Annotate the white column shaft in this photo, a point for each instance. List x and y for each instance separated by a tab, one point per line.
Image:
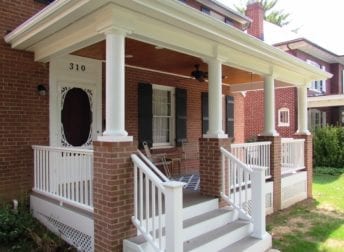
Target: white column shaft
269	107
215	99
302	111
115	84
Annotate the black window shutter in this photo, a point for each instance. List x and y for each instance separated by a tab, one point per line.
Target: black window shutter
205	113
181	106
145	111
230	116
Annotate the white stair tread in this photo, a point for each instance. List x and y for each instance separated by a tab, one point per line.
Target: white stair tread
206	216
214	234
241	245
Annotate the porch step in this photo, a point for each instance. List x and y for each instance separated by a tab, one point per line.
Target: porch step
200	208
200	224
219	238
208	228
250	244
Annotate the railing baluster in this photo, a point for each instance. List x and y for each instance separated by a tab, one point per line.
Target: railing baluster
147	202
141	196
153	211
160	212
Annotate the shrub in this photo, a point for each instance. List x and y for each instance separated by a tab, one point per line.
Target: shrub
329	146
19	231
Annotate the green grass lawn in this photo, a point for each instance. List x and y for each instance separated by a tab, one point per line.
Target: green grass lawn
313	225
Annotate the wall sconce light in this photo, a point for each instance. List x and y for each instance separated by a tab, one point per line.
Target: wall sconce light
41	90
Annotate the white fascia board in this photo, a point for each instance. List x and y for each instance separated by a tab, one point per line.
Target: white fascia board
325	101
182	20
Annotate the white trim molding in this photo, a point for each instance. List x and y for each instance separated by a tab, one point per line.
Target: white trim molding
69	25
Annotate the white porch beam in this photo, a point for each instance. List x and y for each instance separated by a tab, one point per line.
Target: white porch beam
115	87
302	114
269	106
215	99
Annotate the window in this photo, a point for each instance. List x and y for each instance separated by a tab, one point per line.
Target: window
205	10
316	118
343	81
163	115
283	117
318	85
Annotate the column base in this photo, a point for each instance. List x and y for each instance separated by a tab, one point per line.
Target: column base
303	133
215	135
115	138
273	133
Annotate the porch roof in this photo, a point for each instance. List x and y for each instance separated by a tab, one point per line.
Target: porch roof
65	26
326	101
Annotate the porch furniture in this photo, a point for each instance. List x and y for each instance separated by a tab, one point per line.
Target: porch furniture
159	159
190	151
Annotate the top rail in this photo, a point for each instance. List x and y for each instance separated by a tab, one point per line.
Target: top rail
63	149
234	158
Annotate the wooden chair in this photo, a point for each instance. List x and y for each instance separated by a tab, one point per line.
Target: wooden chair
190	151
159	159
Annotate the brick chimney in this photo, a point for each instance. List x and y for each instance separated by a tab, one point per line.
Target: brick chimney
255	11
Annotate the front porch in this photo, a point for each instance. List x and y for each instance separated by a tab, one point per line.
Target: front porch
63	187
128	63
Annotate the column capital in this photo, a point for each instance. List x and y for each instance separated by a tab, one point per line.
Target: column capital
211	60
112	29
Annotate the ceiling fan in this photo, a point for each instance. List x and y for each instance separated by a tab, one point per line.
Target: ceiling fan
198	74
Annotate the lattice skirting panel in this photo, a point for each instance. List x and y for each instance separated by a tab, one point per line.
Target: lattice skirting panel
73	227
294	188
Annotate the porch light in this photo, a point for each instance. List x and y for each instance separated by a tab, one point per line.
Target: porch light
41	89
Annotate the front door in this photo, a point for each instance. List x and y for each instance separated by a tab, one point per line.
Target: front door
75	101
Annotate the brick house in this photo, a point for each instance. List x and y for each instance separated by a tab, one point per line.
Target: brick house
325	101
84	83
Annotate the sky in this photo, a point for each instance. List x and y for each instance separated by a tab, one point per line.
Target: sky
320	21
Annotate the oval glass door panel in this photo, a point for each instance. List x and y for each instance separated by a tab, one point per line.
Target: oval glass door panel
76	117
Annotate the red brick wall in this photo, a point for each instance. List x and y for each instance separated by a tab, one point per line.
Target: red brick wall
337	79
254	111
239	118
255	11
23	113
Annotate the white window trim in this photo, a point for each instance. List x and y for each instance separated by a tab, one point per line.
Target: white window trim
321	84
312	114
343	81
172	121
283	124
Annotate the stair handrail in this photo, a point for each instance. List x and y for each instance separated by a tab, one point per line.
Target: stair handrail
153	167
243	180
158	208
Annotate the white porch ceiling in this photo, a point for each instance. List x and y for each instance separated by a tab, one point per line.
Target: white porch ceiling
67	25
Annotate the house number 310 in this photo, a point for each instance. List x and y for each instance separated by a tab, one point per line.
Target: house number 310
77	67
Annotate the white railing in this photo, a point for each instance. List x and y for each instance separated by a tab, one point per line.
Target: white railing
257	154
158	207
65	174
292	155
239	180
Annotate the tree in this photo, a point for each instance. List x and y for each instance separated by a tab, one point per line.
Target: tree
278	17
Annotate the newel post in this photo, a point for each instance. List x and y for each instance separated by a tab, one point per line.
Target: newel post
258	202
174	216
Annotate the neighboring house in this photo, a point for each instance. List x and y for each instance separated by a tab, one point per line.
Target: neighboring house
84	83
325	97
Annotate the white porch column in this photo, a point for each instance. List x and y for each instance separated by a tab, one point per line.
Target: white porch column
115	87
302	114
269	106
215	99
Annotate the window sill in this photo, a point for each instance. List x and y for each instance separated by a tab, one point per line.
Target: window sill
283	125
163	147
